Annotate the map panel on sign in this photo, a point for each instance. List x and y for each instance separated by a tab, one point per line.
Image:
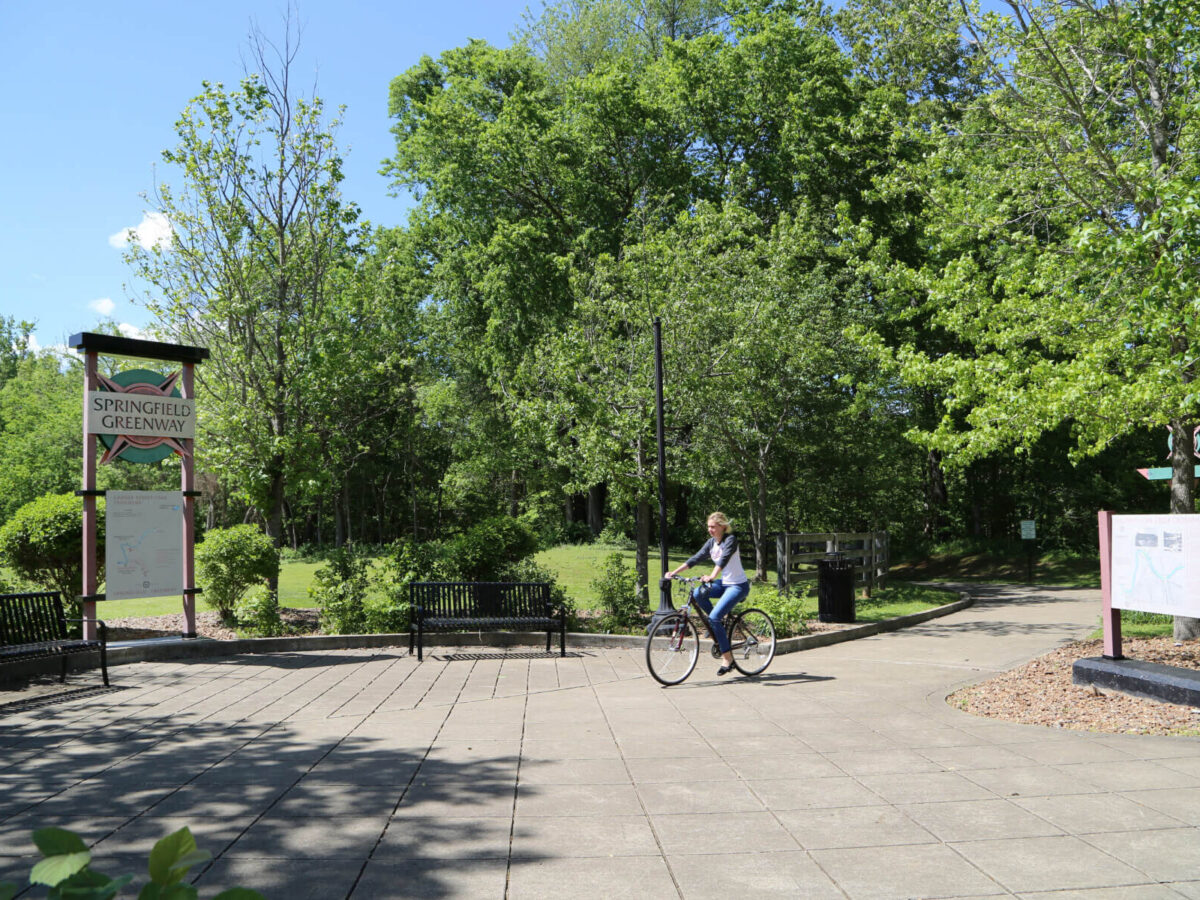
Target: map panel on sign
1153	564
143	549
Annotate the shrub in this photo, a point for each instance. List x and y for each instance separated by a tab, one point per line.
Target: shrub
232	560
340	589
388	611
66	870
43	543
385	613
482	551
617	589
787	612
613	534
258	612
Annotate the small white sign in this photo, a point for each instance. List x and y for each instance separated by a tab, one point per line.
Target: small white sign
143	544
1028	530
143	415
1154	566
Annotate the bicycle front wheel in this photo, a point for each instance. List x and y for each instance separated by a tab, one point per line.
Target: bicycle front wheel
752	639
672	649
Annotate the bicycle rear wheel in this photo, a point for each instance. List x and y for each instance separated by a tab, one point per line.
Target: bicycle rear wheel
752	638
672	649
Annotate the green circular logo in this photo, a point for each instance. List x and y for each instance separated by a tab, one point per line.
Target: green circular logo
138	448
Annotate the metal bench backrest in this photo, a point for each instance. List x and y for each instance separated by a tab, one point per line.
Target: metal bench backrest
481	598
31	618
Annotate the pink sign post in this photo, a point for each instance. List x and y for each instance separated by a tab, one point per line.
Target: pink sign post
1110	618
90	564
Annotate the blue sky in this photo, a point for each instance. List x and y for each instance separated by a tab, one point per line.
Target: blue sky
94	91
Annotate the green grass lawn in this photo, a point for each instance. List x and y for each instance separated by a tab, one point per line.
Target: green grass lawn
898	599
577	565
1136	624
294	579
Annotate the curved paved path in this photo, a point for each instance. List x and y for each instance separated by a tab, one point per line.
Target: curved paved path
840	773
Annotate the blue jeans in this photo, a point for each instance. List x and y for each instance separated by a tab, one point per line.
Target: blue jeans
728	596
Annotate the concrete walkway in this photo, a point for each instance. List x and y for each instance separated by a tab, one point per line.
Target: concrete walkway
488	773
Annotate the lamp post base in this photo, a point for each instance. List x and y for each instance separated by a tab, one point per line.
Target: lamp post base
665	607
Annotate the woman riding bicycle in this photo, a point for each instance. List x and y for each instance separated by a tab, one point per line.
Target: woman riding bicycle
727	581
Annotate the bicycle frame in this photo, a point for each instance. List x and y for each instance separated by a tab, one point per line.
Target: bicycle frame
691	610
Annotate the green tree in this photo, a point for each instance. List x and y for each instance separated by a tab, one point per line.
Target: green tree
1063	226
258	232
41	431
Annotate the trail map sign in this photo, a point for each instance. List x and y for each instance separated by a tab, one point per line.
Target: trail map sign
1155	566
143	544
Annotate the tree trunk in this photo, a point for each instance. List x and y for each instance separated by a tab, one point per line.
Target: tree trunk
683	511
643	550
1183	467
339	522
274	518
596	497
935	493
758	526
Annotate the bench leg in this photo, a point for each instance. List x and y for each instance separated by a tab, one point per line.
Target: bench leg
420	644
549	634
104	663
562	638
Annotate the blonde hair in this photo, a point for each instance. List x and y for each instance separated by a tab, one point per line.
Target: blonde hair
721	519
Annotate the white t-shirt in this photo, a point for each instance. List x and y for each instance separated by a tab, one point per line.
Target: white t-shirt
723	553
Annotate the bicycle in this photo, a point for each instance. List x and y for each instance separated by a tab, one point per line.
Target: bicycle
674	643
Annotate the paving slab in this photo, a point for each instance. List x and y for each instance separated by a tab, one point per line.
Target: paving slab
505	772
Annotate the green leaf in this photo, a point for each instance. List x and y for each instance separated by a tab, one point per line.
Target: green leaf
179	892
8	890
58	842
53	869
91	886
170	854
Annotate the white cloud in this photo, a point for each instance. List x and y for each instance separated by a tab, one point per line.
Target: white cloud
104	306
153	231
131	331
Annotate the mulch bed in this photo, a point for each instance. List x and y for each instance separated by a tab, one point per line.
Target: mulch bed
208	625
1041	693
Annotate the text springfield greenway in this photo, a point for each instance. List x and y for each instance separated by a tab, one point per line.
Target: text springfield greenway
112	413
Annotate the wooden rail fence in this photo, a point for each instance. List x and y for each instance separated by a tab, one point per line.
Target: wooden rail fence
797	556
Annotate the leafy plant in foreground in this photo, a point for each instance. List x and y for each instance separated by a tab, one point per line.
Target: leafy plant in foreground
65	870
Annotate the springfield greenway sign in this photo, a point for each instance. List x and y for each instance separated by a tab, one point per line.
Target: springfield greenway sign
140	416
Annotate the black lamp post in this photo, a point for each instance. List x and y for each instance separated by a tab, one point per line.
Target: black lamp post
665	607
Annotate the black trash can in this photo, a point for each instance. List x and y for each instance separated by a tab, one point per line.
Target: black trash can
835	589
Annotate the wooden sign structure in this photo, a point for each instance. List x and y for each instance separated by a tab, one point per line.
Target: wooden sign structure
148	422
1147	563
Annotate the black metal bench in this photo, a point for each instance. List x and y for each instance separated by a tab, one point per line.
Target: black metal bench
484	606
34	626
